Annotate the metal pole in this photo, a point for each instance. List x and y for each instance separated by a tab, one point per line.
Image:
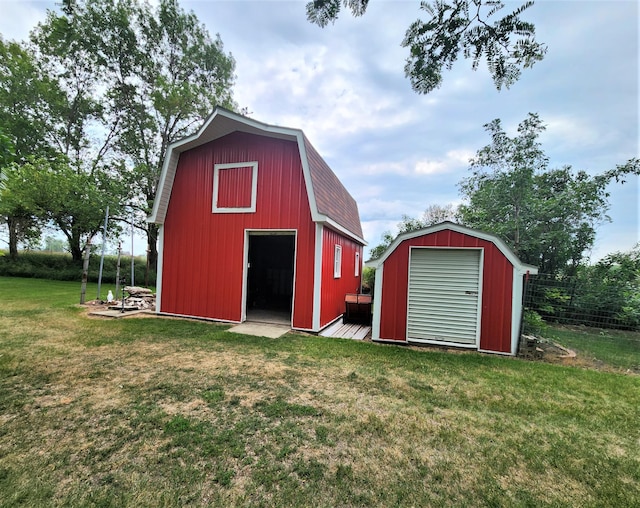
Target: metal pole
118	268
104	243
132	259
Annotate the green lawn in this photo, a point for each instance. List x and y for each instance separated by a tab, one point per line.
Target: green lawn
159	412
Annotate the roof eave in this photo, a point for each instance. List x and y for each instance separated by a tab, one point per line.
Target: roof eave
503	247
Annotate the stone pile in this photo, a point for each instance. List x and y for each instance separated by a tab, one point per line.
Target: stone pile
530	348
138	299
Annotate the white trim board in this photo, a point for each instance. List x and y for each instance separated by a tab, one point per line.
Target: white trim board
245	264
216	187
502	247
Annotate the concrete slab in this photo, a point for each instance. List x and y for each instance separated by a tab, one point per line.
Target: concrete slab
117	313
260	330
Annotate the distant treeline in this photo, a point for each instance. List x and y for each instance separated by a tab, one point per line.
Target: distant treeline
58	266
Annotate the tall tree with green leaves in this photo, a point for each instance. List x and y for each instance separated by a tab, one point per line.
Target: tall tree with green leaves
7	155
84	124
26	98
168	75
52	190
471	28
547	216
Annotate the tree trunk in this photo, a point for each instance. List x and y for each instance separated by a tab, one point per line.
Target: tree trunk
152	248
12	224
77	252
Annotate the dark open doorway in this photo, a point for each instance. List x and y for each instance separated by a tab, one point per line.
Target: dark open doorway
270	277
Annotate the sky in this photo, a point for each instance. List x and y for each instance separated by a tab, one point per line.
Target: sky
396	151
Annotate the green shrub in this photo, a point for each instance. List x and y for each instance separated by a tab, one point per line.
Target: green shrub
58	266
533	323
368	279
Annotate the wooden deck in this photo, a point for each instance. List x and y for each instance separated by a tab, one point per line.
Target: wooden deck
348	331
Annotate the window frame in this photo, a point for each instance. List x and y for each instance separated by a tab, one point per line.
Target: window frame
337	261
216	187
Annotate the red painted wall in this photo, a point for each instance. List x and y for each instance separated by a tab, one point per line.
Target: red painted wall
203	251
234	187
497	287
333	290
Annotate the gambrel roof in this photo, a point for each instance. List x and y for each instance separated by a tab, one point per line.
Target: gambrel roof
522	268
329	201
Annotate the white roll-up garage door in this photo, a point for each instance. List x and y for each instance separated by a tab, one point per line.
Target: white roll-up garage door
444	287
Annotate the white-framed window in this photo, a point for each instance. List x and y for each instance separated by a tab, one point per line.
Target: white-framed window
337	262
357	269
235	187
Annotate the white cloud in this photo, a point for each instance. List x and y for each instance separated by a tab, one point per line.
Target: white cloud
453	160
571	132
20	17
386	168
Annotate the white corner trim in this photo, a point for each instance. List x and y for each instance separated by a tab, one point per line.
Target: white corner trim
317	278
377	304
516	309
216	187
159	268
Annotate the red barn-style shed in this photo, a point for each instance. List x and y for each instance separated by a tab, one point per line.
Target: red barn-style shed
252	220
449	285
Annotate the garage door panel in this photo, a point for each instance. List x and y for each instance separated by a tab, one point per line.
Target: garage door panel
453	306
443	295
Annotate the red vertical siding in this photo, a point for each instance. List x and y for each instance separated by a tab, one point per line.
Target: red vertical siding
234	187
334	289
204	251
497	284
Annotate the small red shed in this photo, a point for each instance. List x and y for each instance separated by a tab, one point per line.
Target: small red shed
449	285
253	221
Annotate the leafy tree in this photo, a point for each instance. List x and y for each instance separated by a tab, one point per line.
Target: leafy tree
610	289
17	211
85	121
7	154
52	191
434	214
605	295
52	244
168	75
26	94
467	27
547	216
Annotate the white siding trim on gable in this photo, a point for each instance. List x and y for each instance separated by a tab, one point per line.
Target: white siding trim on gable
225	123
502	247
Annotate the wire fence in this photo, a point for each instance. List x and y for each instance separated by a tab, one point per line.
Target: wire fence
599	320
581	301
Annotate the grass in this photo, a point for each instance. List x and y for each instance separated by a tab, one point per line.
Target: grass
615	348
155	412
